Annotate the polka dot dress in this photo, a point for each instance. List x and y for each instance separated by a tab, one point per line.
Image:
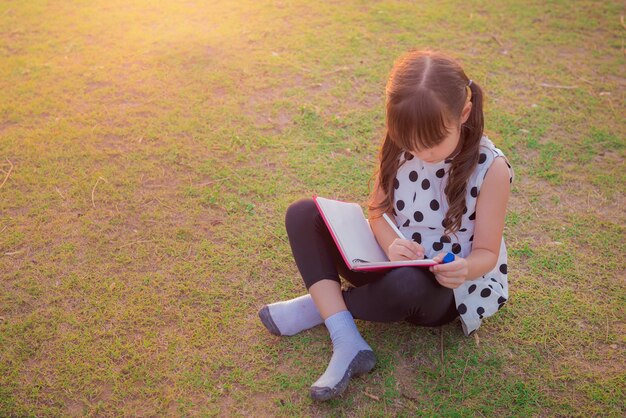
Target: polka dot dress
420	206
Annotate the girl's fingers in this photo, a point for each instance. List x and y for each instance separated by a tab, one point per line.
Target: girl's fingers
406	243
442	281
408	250
417	248
399	251
458	264
402	253
452	273
445	268
449	282
407	253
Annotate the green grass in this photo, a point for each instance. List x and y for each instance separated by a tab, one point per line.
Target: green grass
150	150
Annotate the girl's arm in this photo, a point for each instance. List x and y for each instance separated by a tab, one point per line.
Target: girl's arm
395	248
488	227
490	217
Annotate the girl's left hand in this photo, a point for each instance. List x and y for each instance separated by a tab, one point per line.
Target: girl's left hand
450	275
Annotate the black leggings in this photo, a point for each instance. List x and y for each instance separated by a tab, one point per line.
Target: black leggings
406	293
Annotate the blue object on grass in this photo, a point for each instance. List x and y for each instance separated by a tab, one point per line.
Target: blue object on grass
448	258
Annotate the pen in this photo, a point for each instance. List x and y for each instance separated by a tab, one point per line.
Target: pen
393	226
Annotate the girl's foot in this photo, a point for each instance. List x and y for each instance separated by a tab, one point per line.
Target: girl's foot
352	356
291	316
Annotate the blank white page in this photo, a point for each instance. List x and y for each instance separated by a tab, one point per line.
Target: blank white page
351	230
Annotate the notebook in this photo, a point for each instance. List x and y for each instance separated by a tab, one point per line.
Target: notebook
354	237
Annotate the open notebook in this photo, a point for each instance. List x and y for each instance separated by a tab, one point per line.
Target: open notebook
355	239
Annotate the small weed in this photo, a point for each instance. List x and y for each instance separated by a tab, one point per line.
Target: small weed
524	250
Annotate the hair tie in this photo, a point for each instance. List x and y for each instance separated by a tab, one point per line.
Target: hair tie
469	92
469	84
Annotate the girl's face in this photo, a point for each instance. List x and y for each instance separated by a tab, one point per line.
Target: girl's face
447	147
441	151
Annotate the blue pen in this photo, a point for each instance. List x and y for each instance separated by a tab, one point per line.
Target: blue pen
448	258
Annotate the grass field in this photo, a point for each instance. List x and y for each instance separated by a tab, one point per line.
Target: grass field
149	150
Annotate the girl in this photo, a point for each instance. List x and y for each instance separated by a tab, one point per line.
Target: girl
447	186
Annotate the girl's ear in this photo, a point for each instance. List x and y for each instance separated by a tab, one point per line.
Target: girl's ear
467	109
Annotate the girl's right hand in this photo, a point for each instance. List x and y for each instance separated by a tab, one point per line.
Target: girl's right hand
404	249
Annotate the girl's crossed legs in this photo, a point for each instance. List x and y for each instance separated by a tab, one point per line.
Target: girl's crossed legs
407	293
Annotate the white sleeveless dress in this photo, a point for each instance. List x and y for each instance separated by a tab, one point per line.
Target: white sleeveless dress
420	206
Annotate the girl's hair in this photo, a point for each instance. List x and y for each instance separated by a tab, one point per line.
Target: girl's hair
426	93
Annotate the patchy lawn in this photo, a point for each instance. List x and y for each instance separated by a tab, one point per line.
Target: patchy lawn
149	150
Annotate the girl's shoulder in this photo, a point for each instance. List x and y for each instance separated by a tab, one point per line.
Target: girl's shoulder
488	152
488	148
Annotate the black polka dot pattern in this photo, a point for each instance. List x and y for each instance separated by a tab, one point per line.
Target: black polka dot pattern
456	248
406	223
425	184
440	173
461	308
400	205
471	289
503	268
485	293
472	216
418	216
413	176
482	158
474	191
417	237
434	205
396	183
445	239
408	156
437	246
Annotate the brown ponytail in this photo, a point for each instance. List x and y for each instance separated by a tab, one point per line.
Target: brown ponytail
389	163
464	163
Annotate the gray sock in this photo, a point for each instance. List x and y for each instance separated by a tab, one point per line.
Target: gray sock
352	356
291	316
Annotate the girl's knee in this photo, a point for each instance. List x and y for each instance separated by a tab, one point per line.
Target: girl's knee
303	210
407	284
